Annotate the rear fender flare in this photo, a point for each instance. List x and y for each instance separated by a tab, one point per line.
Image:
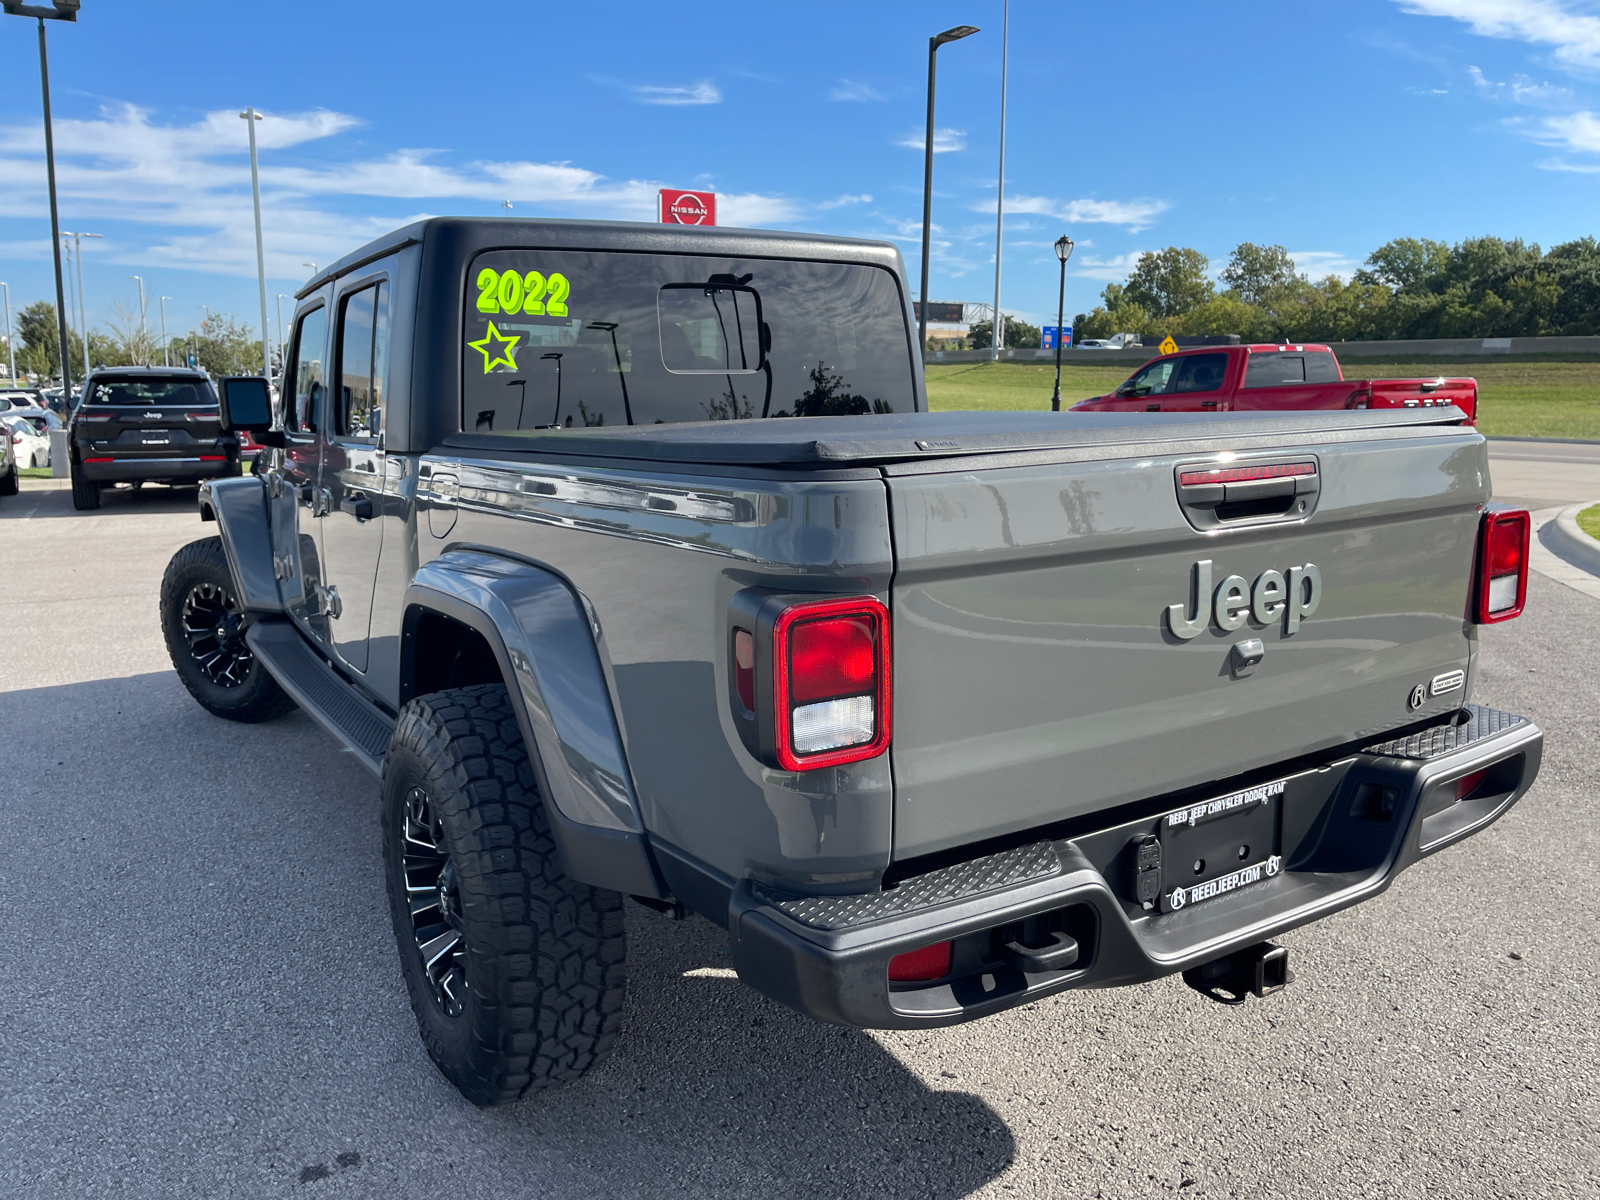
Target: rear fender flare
239	507
537	629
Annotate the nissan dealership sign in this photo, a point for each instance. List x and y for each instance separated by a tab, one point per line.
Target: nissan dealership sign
679	207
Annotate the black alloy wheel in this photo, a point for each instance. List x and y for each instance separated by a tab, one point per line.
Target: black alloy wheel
433	897
213	628
204	628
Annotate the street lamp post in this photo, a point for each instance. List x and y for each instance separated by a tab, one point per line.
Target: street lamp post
83	312
939	39
998	341
250	116
166	357
143	336
313	267
1063	252
58	10
283	345
11	342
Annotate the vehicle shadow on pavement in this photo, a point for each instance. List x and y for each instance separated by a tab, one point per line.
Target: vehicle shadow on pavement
208	1001
56	501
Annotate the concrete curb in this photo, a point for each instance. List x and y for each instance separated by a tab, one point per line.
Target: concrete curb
1552	565
1565	538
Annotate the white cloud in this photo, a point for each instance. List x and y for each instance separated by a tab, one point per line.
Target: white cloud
841	201
1561	164
1319	264
1135	214
192	183
1576	131
1112	270
699	93
1575	36
944	140
851	90
1521	90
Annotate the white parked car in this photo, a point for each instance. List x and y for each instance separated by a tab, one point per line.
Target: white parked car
28	444
1095	344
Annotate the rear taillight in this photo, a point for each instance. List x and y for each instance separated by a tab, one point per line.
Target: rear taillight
921	965
1500	583
830	677
202	416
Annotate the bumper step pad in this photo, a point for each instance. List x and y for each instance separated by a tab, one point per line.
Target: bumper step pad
1471	724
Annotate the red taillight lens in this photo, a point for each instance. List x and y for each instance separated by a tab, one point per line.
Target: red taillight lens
831	657
744	667
1245	474
831	683
921	965
1501	585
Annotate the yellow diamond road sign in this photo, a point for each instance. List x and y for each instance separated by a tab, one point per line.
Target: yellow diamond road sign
1168	346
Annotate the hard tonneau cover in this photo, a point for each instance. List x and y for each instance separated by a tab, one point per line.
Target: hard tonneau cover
835	441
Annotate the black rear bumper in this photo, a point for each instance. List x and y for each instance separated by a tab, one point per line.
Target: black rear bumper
1348	827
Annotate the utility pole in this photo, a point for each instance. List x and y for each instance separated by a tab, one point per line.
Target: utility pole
939	39
283	344
166	358
59	10
143	336
83	312
250	116
11	342
998	341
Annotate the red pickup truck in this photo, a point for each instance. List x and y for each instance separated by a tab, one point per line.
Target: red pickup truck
1270	377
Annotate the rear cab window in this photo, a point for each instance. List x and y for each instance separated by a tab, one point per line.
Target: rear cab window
1271	369
580	338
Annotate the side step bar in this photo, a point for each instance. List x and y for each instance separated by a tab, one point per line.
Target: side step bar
328	699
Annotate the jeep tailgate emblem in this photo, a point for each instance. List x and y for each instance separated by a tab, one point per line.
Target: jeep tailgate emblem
1236	599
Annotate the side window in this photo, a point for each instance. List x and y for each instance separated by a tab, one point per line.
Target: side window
1201	373
306	383
1321	367
1275	370
1153	380
363	360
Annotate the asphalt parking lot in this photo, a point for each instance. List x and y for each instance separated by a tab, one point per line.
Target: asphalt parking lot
203	997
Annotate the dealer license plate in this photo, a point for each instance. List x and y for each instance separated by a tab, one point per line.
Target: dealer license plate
1218	846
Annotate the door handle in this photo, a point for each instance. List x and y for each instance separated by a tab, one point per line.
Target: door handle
1208	404
357	505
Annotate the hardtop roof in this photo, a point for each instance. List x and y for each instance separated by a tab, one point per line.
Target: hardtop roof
469	236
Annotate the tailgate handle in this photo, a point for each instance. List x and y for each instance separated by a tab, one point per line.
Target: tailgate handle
1058	955
1218	494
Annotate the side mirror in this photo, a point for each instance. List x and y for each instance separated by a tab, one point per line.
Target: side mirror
246	405
1125	388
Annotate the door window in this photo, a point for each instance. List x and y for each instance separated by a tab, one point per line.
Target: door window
363	360
1275	370
1200	373
1152	381
307	380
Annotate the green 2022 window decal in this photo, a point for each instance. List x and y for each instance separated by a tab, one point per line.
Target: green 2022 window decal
533	293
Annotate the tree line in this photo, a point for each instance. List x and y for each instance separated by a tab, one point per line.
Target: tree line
221	344
1407	288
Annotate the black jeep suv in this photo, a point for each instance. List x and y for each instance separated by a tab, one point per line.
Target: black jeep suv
147	425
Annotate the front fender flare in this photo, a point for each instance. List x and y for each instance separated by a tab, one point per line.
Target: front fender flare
536	627
239	507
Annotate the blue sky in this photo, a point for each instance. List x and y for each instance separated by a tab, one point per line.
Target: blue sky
1328	127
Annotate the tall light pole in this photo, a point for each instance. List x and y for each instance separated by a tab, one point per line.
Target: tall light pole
250	116
11	342
283	346
166	358
83	311
937	40
1063	252
143	336
313	267
998	341
58	10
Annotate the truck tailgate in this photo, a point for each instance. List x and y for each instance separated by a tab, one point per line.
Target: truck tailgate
1036	677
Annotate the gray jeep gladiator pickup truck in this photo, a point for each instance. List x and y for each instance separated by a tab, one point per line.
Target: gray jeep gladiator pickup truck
935	714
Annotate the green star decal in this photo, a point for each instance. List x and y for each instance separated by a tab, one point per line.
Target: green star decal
496	349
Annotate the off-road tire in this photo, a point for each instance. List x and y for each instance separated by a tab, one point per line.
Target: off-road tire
85	495
256	696
544	955
9	485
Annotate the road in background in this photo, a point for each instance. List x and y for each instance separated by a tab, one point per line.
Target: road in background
1544	474
203	996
